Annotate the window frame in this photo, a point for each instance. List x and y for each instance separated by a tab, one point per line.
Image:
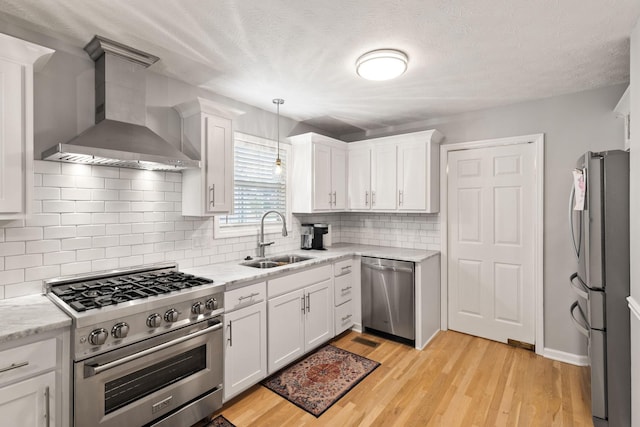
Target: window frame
221	231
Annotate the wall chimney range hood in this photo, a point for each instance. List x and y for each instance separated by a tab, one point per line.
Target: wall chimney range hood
120	137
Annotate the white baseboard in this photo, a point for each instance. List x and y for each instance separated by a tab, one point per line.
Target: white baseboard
428	340
563	356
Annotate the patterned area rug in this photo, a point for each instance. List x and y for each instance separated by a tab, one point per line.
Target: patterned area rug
321	379
220	421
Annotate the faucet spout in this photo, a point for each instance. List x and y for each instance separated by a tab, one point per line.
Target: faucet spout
261	243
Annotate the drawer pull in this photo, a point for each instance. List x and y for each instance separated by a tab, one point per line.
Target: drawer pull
347	317
343	290
346	267
13	366
253	294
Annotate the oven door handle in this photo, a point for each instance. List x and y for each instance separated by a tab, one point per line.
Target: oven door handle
91	370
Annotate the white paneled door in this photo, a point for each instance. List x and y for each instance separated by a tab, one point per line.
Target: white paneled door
491	206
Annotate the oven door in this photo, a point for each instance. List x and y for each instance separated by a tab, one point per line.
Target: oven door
143	382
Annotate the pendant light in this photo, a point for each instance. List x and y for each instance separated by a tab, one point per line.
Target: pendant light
278	169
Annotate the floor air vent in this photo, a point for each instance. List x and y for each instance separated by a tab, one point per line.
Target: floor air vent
366	342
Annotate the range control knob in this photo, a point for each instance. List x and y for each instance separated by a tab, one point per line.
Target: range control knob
154	320
171	315
197	308
120	330
212	304
98	336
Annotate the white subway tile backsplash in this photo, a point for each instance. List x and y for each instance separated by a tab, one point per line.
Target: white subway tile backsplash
131	195
24	233
73	268
99	194
105	241
153	258
117	184
118	229
22	289
105	172
90	230
73	194
142	227
46	167
90	182
76	243
104	264
61	257
58	206
90	254
142	249
46	193
8	277
131	217
112	206
44	272
131	239
61	232
22	261
75	218
131	261
75	169
93	206
12	248
105	218
41	220
43	246
59	181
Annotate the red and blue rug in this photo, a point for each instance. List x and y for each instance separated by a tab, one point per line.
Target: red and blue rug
321	379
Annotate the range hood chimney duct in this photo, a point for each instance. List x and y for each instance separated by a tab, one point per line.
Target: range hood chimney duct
120	136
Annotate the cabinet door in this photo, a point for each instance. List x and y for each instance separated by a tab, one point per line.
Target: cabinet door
285	329
383	177
29	403
319	314
339	178
360	179
412	176
12	179
246	348
322	192
218	147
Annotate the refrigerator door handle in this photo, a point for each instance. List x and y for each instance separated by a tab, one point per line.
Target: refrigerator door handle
578	243
584	330
579	287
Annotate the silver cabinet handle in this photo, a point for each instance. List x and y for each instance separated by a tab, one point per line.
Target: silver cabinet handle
47	409
13	366
400	198
91	370
346	267
584	330
335	199
330	199
230	339
347	317
343	290
212	195
373	198
308	303
304	306
366	198
386	268
253	294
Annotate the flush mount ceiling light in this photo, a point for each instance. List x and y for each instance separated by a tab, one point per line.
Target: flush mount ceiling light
382	64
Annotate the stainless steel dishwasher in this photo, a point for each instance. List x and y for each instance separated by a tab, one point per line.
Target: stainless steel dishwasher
388	298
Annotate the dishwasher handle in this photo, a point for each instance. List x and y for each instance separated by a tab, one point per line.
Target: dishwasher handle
388	268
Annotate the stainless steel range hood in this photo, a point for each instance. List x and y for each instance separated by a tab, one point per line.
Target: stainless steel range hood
120	137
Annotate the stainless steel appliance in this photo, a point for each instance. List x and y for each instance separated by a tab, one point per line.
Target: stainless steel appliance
318	230
147	346
388	298
600	236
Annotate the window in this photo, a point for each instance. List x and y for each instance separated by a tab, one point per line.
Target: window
257	189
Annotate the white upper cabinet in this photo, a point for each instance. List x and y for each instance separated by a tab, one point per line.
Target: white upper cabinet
207	135
396	173
623	110
319	181
18	61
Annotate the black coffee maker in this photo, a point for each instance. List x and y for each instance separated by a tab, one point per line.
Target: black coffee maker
318	231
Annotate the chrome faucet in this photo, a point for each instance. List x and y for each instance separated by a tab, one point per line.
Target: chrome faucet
262	243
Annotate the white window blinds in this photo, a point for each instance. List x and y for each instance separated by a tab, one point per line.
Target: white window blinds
257	189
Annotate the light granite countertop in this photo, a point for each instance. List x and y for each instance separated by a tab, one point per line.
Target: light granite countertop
34	314
30	315
235	275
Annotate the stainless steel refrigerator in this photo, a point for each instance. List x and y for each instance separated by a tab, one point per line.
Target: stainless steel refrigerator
599	219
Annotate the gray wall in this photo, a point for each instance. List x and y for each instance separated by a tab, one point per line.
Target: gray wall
572	124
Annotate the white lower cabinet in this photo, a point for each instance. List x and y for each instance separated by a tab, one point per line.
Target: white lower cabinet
300	319
344	289
30	402
246	339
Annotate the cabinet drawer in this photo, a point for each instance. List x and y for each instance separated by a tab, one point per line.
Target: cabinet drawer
283	285
343	288
343	267
343	317
29	359
243	297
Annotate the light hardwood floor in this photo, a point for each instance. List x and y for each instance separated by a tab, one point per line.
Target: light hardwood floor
457	380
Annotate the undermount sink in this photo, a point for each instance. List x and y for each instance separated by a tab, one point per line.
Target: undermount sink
276	261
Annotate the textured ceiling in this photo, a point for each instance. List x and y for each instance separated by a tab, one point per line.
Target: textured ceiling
464	54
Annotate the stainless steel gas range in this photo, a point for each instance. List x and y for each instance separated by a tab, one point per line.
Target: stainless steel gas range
147	346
